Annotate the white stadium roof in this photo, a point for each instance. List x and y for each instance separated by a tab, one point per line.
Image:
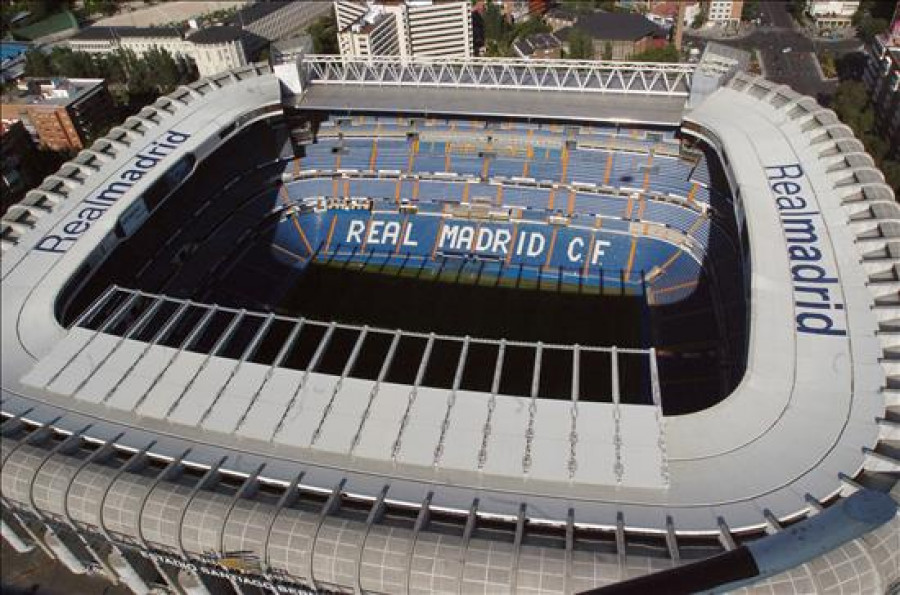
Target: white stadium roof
807	417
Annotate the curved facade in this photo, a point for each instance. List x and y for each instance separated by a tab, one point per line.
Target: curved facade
817	397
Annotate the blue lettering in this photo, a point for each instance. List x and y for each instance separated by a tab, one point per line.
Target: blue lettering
106	197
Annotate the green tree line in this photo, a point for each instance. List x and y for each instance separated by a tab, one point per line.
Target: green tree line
134	80
852	105
872	17
500	33
323	32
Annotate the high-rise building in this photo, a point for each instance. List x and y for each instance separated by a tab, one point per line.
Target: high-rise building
832	14
414	28
439	29
882	77
65	114
213	49
19	163
724	12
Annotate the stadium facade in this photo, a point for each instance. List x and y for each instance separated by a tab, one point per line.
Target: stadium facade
143	432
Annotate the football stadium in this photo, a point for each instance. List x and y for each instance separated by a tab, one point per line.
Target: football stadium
468	326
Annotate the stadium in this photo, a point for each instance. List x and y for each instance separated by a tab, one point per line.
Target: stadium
458	326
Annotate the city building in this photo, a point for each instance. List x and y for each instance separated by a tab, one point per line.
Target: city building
539	46
882	78
832	14
691	11
617	35
12	60
663	12
19	163
559	17
64	114
519	10
283	49
642	6
415	28
213	49
278	20
374	34
723	12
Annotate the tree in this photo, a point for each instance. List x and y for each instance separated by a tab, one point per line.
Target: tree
492	49
700	19
891	171
667	53
851	104
607	50
877	9
750	11
870	26
829	66
531	26
166	74
496	27
593	5
324	34
852	65
37	63
134	80
104	7
581	46
797	8
74	64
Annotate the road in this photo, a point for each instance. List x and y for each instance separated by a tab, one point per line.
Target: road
34	574
795	67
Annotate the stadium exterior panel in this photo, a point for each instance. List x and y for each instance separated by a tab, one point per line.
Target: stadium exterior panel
143	432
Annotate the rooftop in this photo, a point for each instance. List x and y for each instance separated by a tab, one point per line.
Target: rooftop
561	12
221	34
56	91
254	12
539	41
104	33
612	107
614	26
720	57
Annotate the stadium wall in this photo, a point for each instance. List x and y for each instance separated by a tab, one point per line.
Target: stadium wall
38	445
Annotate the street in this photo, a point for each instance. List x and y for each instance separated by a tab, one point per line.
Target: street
795	67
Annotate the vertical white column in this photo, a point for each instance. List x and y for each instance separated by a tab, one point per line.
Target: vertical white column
13	539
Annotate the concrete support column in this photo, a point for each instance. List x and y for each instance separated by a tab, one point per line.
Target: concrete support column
63	553
127	573
192	584
13	539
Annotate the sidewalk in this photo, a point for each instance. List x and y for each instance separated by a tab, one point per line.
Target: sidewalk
716	33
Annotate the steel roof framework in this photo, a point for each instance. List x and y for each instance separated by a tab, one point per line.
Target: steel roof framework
632	78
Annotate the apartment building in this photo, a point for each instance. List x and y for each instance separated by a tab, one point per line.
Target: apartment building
20	164
724	12
832	14
215	49
414	28
520	10
439	29
273	21
64	114
616	35
882	77
212	49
